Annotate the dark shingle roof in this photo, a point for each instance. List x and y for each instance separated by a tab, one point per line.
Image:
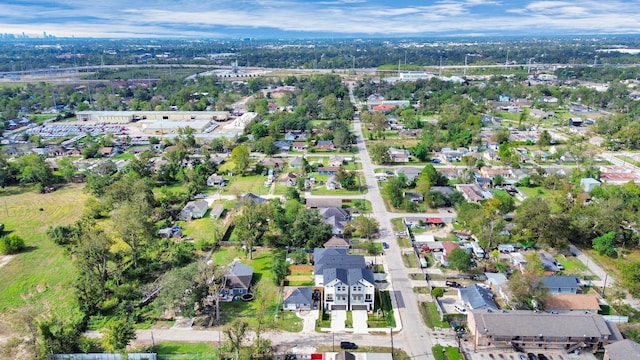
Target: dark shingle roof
555	282
623	350
298	295
477	297
328	261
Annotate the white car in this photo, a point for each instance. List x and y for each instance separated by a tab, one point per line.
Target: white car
460	309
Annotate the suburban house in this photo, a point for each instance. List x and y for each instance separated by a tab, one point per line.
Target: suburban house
477	297
399	155
561	284
448	246
532	330
622	350
495	281
194	210
216	180
446	191
326	145
333	183
300	298
296	162
410	172
548	263
288	179
273	163
250	199
238	279
299	146
328	170
348	283
588	184
572	302
282	145
336	217
336	160
336	242
415	197
348	289
473	192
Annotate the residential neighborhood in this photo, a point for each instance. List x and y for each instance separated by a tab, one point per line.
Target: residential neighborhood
364	214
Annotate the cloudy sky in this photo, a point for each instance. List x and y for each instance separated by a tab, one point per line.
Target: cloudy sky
316	18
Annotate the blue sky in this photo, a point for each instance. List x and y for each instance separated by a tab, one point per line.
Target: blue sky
316	18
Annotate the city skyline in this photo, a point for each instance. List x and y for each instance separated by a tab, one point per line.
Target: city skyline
324	18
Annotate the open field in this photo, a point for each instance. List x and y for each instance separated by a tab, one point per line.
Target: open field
42	276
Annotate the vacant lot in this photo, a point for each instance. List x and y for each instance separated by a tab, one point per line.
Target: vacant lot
41	276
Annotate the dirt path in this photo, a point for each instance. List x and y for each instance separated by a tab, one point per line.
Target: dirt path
4	260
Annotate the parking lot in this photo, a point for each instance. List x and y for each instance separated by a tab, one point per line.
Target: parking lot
500	354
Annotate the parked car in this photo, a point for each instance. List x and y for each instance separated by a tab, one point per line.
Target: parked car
385	245
532	356
523	357
453	284
542	357
348	345
559	266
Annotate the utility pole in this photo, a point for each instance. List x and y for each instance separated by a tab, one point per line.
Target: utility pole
391	333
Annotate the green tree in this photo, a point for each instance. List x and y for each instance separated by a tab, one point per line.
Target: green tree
92	259
605	244
459	259
33	169
240	155
11	244
118	334
544	139
279	269
67	168
365	226
252	223
235	333
437	292
380	154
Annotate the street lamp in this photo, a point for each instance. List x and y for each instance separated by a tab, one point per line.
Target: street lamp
391	333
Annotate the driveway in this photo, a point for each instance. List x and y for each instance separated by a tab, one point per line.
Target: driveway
308	320
359	318
338	318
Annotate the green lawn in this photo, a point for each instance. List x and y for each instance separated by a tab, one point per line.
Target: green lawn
358	206
123	156
383	303
204	228
431	316
410	260
177	347
43	275
262	279
452	352
239	185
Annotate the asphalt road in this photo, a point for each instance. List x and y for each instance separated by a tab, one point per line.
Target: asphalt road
413	337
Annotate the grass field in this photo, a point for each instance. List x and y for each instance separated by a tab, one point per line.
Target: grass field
239	185
430	315
43	275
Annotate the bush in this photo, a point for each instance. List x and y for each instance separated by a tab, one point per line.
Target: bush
11	244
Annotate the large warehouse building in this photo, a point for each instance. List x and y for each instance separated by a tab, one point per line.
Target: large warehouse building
123	117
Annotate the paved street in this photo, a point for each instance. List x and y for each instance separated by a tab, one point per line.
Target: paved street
413	337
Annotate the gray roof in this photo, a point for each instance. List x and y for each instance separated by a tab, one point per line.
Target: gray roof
444	190
529	323
496	278
623	350
555	282
328	212
250	198
348	276
477	297
335	258
297	295
197	206
239	276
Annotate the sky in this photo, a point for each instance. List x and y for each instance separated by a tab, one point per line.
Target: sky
316	18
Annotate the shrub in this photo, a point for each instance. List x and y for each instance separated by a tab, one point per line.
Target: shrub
11	244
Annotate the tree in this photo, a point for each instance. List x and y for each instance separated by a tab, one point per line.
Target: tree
299	257
605	244
365	226
378	123
459	259
437	292
280	270
67	168
33	169
11	244
235	334
240	155
544	139
134	223
252	222
117	335
526	285
91	257
380	154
